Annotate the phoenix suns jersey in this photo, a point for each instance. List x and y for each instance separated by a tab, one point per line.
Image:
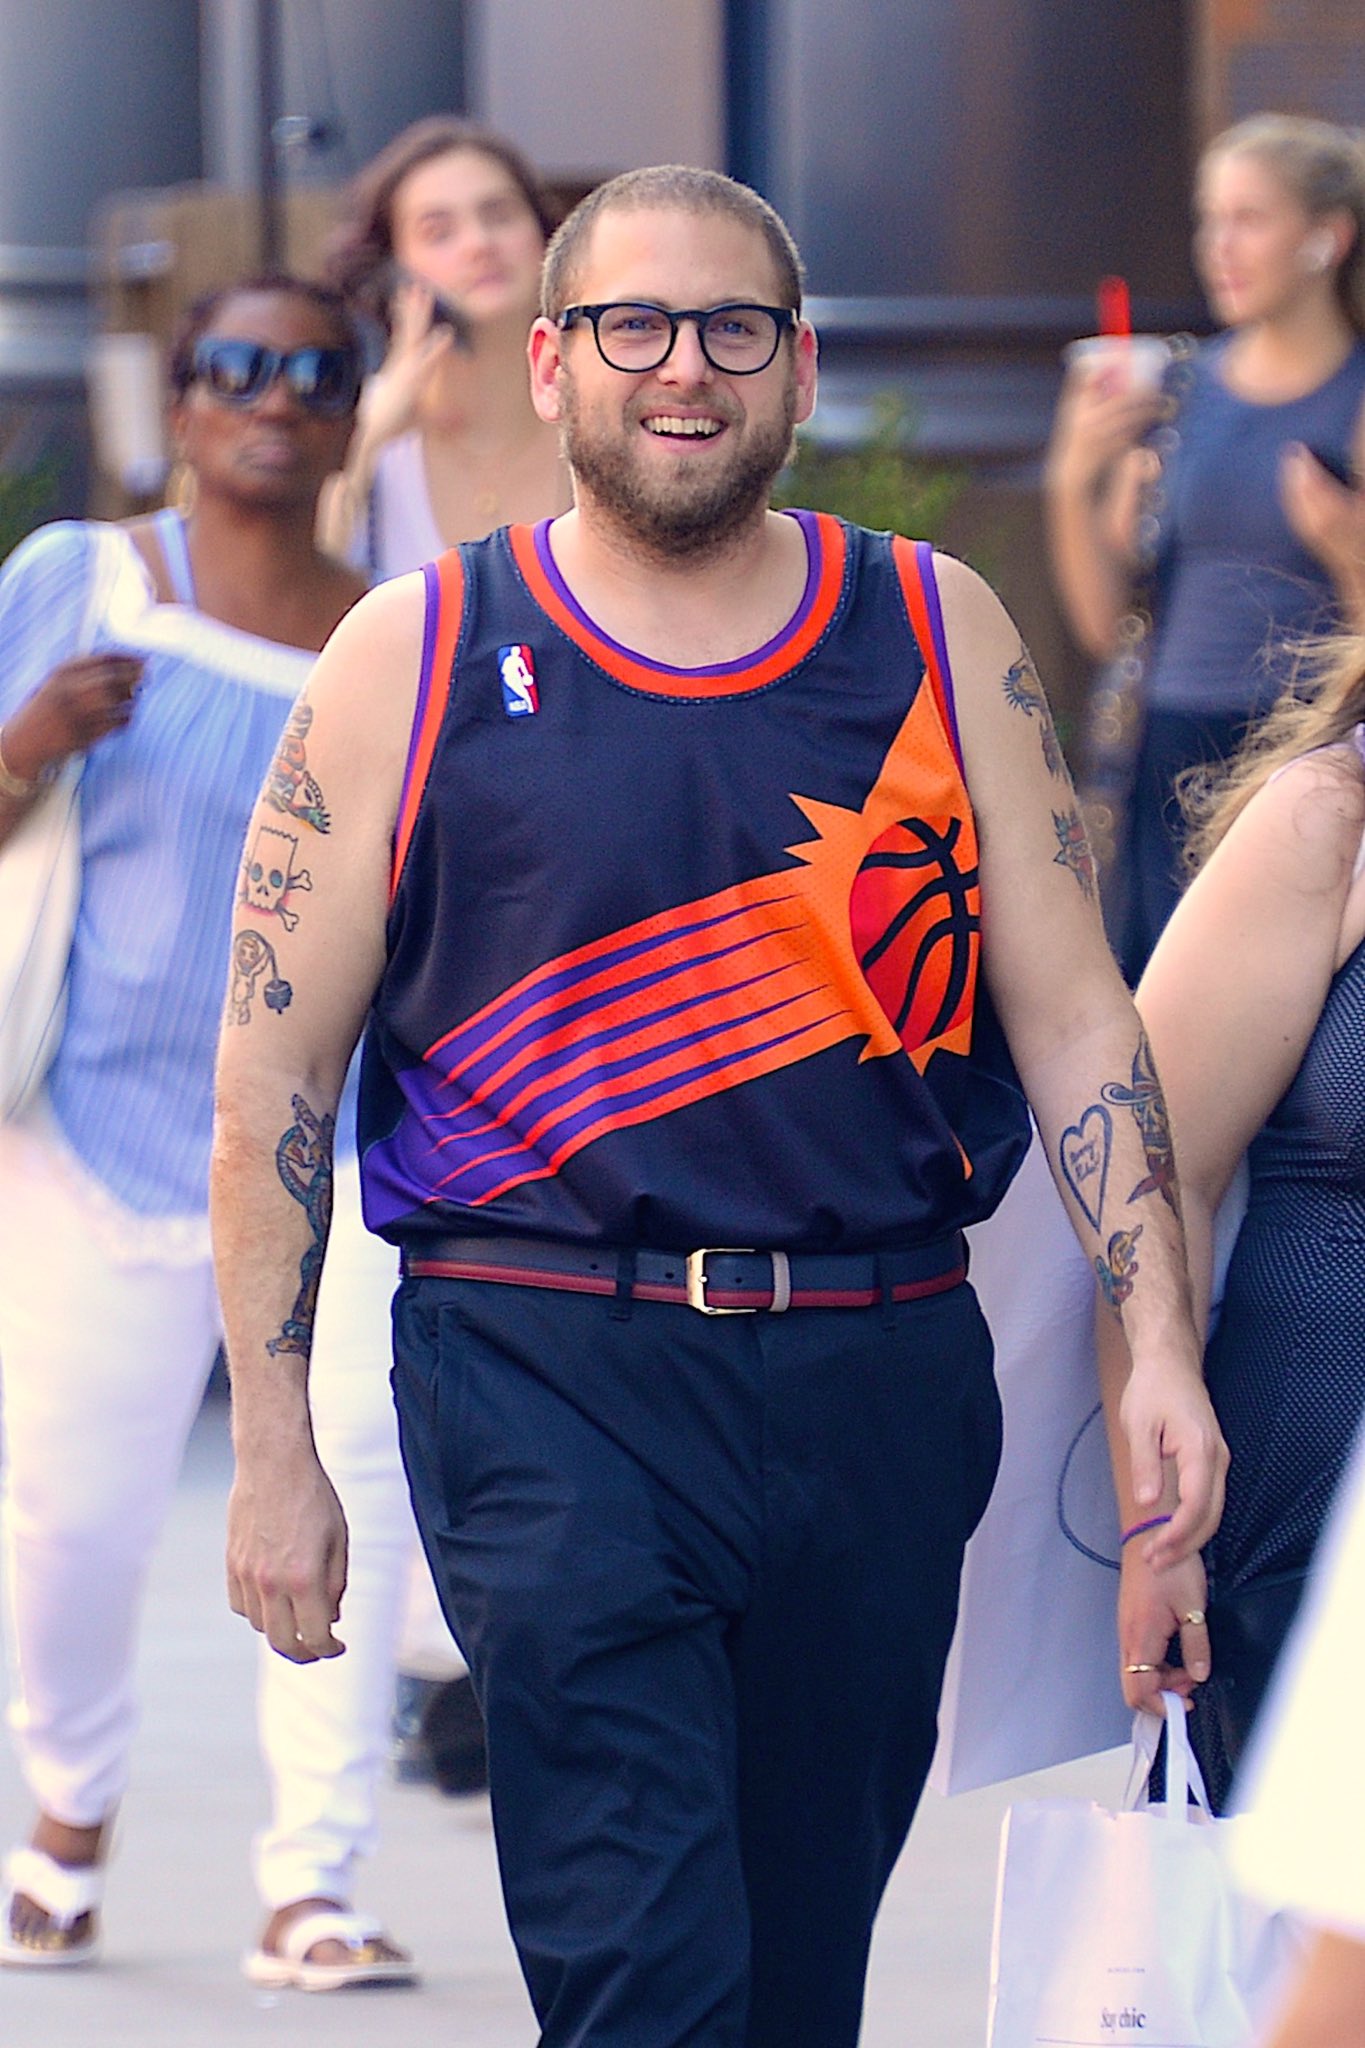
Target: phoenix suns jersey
685	956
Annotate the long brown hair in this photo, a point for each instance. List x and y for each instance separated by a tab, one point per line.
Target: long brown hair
363	243
1322	707
1323	168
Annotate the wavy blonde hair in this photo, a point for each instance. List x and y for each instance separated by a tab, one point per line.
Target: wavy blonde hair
1322	706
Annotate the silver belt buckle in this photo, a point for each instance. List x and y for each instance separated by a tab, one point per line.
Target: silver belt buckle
696	1280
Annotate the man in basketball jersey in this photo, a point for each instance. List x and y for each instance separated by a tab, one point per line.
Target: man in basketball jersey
711	878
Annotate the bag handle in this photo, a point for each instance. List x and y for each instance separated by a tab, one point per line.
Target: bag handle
1183	1774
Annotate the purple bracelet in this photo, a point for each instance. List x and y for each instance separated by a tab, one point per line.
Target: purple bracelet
1141	1528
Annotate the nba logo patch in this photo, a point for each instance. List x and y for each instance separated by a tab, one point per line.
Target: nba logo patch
517	668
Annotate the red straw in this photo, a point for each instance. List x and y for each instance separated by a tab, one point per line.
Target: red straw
1115	310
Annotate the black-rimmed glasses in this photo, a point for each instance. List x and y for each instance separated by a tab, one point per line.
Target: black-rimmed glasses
325	381
737	339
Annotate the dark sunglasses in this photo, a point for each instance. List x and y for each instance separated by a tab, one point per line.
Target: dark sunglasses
325	381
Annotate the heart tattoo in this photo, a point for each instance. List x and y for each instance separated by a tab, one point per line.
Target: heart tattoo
1084	1152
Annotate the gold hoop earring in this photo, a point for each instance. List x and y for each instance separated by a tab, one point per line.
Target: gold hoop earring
182	488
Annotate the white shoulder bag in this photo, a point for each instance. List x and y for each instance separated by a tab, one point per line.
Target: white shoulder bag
40	886
40	891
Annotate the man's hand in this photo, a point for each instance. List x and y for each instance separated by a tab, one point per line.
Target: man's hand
1154	1606
1171	1431
286	1558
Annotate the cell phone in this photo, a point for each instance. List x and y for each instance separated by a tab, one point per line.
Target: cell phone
444	311
1335	465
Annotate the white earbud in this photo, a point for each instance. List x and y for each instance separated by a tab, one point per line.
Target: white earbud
1316	251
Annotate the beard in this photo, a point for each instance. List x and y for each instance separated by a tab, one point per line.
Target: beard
689	514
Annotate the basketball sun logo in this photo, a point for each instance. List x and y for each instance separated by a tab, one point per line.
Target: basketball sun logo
517	670
916	923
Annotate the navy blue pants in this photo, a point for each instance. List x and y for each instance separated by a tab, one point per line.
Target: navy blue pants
705	1573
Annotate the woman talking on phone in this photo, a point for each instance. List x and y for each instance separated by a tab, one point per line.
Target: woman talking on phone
443	239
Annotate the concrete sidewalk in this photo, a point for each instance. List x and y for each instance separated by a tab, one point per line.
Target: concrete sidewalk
181	1907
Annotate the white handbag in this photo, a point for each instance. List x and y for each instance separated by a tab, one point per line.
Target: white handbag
40	864
1113	1927
40	889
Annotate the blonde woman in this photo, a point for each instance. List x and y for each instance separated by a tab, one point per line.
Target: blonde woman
1255	533
1255	1005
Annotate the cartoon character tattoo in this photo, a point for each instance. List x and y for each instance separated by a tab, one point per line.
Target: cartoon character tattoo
1084	1154
253	956
1148	1104
1073	851
1116	1269
269	876
290	786
1024	689
303	1160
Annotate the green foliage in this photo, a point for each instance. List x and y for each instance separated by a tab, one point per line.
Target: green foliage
27	498
879	482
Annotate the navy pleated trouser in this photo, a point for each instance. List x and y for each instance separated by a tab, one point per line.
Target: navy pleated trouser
705	1574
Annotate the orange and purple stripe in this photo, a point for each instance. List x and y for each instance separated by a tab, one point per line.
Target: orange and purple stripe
919	587
441	625
826	552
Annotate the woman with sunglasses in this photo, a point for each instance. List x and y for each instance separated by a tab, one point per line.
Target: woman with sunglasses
167	653
442	240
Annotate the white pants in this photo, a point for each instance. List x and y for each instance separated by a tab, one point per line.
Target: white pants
324	1727
105	1348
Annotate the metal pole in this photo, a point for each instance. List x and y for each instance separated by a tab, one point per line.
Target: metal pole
270	228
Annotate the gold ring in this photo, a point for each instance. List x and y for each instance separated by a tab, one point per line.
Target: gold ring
1133	1669
1194	1619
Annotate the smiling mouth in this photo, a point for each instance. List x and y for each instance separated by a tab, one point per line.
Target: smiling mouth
681	427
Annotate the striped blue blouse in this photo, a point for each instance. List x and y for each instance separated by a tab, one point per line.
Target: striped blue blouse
164	810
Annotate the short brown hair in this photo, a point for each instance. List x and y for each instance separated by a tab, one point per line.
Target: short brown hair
681	188
363	244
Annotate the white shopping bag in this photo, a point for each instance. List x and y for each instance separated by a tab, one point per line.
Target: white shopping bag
1114	1927
1040	1580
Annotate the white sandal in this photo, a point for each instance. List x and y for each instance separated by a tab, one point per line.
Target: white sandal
68	1893
365	1963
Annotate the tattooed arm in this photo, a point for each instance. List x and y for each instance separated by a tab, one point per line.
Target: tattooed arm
1231	998
1076	1041
307	952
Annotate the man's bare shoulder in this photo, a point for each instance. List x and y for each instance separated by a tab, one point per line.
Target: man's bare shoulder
360	700
969	603
386	620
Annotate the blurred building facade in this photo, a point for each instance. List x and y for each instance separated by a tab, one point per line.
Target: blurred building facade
958	175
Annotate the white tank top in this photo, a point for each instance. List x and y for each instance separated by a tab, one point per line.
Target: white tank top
402	526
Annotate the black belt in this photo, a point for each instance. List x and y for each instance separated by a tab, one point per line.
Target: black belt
717	1279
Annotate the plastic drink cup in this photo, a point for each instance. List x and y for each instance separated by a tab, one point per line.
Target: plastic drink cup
1137	361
